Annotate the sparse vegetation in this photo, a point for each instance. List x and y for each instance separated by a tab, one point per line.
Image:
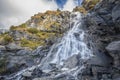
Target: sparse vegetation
2	65
32	37
7	39
21	27
80	9
33	30
31	44
89	4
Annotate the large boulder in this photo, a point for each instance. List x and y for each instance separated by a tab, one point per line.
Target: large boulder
71	62
113	46
114	50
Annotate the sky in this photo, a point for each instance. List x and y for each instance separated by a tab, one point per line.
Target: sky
15	12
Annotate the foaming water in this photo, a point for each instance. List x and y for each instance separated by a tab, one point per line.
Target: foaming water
71	44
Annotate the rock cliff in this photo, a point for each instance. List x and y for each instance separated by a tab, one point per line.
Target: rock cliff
27	44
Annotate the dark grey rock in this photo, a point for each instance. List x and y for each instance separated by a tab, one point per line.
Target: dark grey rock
116	79
13	47
116	13
100	59
24	52
2	48
97	20
114	50
37	72
114	46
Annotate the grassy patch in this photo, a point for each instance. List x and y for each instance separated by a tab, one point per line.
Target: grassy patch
33	30
80	9
21	27
3	63
5	38
89	4
31	44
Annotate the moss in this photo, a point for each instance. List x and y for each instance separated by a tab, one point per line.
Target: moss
52	26
89	4
21	27
3	63
44	35
80	9
52	12
33	30
8	39
31	44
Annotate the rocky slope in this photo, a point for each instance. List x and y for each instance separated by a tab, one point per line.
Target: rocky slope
101	22
20	47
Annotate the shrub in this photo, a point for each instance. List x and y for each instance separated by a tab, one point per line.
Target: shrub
23	25
20	27
13	27
7	39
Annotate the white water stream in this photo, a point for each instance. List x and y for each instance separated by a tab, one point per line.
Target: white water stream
72	43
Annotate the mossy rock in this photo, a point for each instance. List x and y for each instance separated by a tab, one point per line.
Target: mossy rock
80	9
21	27
33	30
31	44
89	4
5	38
3	63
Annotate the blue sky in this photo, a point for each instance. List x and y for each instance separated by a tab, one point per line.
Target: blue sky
61	3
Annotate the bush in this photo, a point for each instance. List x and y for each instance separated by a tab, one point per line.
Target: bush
23	25
7	39
13	27
20	27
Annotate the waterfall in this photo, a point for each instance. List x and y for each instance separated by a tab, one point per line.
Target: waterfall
73	42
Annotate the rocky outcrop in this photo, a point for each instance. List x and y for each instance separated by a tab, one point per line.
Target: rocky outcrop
25	45
14	59
102	24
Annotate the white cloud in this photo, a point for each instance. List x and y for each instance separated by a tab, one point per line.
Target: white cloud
70	4
15	12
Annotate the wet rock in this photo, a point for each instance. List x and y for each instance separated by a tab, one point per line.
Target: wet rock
37	72
44	78
71	62
64	77
27	74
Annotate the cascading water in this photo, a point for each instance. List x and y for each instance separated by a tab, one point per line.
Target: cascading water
72	43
